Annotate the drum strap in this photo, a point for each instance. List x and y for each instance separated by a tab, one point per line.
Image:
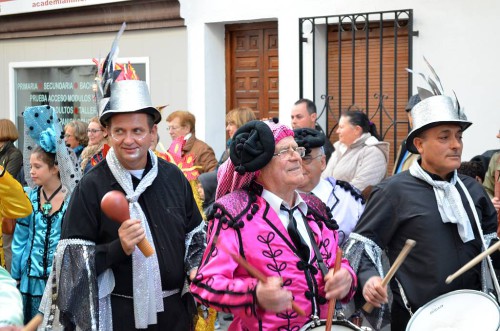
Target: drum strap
319	257
480	229
321	265
403	296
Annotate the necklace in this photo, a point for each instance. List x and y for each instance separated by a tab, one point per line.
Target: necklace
47	206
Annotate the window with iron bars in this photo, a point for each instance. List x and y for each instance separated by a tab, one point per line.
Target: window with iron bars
359	61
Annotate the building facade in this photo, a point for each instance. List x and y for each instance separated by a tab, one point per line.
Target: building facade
446	32
210	56
47	55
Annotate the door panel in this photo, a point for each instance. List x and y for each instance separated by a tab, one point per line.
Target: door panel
252	68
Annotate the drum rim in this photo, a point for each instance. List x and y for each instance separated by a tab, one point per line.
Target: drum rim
322	322
419	310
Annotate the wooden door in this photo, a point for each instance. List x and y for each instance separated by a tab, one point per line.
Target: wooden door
252	67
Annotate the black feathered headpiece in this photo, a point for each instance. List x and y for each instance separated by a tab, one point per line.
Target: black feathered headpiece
252	147
309	138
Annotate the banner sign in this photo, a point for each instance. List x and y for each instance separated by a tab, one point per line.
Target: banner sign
70	90
11	7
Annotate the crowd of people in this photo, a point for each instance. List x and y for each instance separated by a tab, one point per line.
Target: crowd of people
284	224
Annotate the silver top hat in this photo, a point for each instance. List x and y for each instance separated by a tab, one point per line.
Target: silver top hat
129	96
431	112
434	109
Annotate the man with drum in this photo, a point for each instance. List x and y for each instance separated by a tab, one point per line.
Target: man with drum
289	238
432	205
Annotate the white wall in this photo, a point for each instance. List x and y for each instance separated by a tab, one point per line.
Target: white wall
457	36
165	48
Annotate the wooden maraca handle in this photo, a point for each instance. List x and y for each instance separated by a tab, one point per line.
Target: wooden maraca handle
115	205
145	247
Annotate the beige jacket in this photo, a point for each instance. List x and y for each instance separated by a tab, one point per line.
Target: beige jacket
362	164
489	178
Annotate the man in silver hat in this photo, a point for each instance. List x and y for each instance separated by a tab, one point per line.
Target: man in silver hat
135	292
448	215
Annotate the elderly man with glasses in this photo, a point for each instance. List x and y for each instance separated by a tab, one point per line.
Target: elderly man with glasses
344	200
289	237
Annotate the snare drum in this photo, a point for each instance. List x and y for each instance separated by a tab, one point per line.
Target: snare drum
457	310
336	326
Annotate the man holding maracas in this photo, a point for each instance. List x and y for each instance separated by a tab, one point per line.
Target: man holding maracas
135	291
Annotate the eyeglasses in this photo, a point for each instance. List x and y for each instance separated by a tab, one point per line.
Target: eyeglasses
308	159
93	130
136	134
173	128
286	153
68	135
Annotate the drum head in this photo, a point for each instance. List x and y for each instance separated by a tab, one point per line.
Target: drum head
458	310
336	326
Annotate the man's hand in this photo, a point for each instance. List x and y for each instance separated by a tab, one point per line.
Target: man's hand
271	295
192	273
130	233
496	203
374	292
337	285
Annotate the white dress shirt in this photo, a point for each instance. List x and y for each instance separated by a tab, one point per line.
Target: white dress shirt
275	202
346	210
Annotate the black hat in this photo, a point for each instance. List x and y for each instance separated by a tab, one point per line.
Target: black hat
309	138
252	147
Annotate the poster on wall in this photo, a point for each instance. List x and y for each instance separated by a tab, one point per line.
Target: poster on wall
70	90
11	7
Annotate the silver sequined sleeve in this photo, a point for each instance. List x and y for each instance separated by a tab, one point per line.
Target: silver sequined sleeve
359	249
356	246
70	300
195	246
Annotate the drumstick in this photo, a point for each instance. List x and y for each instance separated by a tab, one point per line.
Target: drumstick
115	205
331	304
254	272
473	262
34	323
368	307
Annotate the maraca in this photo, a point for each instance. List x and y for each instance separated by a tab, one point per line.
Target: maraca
115	205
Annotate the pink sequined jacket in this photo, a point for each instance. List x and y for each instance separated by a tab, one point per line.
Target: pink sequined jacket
246	225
